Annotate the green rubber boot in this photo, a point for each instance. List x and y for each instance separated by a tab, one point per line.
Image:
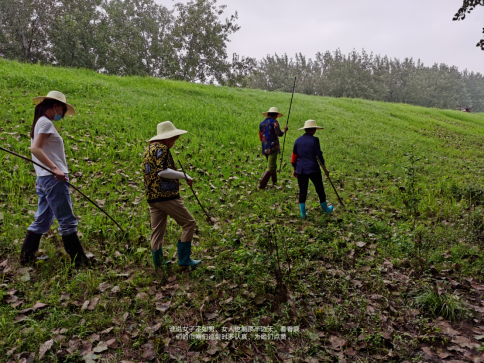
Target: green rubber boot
158	259
302	209
184	252
327	209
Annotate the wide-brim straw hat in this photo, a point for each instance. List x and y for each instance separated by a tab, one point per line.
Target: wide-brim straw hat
58	96
311	124
272	110
165	130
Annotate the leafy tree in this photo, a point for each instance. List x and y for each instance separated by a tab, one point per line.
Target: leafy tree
199	40
304	71
137	40
474	85
275	73
349	76
467	7
75	34
399	75
241	69
24	29
438	86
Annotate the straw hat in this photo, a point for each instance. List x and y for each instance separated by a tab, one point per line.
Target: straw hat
166	130
311	124
272	110
54	95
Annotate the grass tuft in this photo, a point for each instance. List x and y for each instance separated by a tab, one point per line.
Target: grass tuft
433	303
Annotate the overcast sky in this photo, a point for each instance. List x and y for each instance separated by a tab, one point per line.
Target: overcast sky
422	29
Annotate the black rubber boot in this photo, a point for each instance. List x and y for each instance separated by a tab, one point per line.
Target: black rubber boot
265	178
29	248
74	249
274	177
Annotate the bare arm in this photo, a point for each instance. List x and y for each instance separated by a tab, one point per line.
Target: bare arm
277	129
37	151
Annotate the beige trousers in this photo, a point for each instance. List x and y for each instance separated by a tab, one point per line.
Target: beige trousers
159	213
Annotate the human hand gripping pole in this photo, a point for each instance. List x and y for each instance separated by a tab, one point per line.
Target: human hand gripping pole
72	186
209	218
287	123
327	174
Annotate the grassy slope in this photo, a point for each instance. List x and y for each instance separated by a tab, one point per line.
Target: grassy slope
364	144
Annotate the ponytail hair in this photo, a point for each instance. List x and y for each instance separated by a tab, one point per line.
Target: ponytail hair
42	108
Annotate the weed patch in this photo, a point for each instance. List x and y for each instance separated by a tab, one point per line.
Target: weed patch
435	303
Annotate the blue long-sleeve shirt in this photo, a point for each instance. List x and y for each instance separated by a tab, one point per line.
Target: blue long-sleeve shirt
306	149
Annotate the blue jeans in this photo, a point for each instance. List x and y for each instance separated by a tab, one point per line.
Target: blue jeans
54	201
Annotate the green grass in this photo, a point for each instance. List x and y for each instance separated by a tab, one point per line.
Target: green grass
436	304
330	277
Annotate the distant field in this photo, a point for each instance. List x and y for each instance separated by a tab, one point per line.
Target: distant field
364	144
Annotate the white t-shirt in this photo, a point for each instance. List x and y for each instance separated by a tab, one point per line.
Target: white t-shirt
53	147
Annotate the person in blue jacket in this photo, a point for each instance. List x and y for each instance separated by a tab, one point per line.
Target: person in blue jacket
304	159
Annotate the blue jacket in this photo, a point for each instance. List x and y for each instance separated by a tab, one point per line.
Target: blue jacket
306	149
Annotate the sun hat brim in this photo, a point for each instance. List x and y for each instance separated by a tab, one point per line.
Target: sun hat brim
266	114
70	110
314	127
168	134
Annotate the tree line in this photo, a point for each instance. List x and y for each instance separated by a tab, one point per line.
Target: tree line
372	77
125	37
189	42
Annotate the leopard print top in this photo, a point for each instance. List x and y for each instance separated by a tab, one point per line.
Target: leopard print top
156	158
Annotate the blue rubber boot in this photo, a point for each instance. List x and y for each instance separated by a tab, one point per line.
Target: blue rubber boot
326	209
302	209
184	252
158	259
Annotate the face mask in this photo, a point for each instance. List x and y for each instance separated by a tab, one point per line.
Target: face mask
57	117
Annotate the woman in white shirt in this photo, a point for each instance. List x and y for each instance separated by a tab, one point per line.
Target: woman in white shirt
47	148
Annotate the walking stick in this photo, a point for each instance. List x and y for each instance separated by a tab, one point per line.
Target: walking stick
339	198
209	219
72	186
287	123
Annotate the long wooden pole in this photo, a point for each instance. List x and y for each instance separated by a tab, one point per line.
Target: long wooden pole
193	191
339	198
72	186
287	123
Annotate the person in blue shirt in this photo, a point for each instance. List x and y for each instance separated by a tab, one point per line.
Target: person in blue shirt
305	153
269	132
